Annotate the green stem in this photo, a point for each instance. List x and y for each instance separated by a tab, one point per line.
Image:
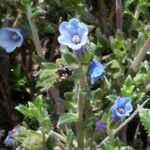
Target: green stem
136	16
80	106
34	31
44	147
137	13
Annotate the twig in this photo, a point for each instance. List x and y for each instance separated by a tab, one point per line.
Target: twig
61	145
123	124
104	20
119	15
140	56
19	15
53	93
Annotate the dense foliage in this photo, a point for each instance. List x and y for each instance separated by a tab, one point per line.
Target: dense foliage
75	74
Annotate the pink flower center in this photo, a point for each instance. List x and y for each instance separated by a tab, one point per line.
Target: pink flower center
76	39
15	37
121	110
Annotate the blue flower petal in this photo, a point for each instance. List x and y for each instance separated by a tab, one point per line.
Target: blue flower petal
116	118
100	126
64	40
7	41
129	107
81	27
5	35
84	39
11	46
74	23
9	141
82	30
96	70
66	29
75	47
122	101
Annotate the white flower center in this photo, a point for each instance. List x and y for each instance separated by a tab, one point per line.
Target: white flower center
121	110
15	37
76	39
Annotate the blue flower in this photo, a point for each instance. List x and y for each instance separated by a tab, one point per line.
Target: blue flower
96	71
100	125
121	108
10	38
74	34
10	139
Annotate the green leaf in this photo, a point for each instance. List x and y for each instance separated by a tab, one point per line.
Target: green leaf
69	58
112	97
114	67
69	96
37	59
97	94
115	144
102	39
70	137
46	78
127	3
77	74
139	42
128	87
49	65
29	139
68	118
145	118
36	111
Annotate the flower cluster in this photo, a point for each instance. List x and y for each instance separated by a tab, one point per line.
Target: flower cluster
74	34
11	38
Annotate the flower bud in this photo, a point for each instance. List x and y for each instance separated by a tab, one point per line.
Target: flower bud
107	84
147	88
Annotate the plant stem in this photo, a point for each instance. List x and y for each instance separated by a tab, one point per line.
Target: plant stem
119	15
53	94
80	107
103	18
44	147
137	13
140	56
34	31
136	16
123	124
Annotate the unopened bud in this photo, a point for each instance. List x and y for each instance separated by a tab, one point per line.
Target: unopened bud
147	88
107	84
